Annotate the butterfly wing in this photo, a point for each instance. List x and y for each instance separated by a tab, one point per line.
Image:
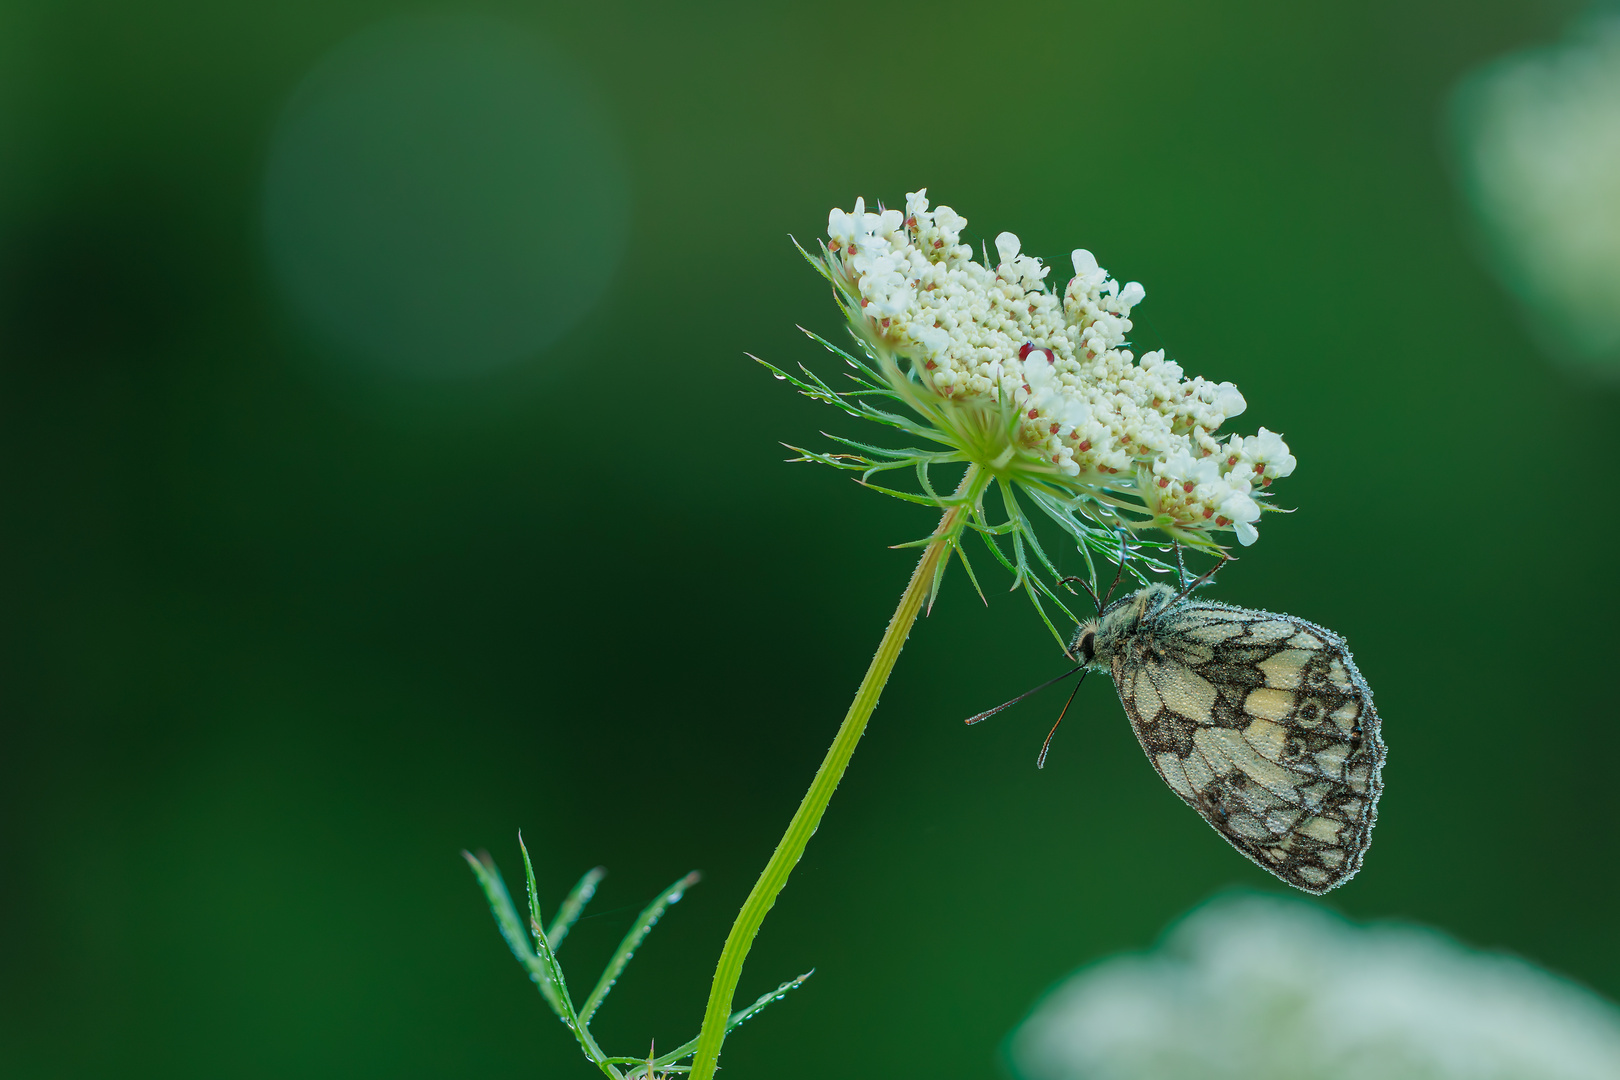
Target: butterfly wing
1262	724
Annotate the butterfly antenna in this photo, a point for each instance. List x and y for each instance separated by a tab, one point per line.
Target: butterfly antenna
988	713
1040	762
1086	585
1207	575
1181	567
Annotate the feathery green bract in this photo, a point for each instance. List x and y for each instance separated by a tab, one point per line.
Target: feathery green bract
536	948
1077	517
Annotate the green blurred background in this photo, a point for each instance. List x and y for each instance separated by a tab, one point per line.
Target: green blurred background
287	626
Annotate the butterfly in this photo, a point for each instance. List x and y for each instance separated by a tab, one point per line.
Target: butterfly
1260	722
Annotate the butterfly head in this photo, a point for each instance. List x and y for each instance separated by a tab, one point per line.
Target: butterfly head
1084	646
1098	640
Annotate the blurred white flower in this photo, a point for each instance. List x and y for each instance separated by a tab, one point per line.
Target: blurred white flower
1538	147
1262	988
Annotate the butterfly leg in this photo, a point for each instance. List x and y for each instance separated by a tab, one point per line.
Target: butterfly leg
1206	576
1119	573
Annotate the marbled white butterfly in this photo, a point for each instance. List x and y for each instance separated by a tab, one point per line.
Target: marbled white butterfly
1260	722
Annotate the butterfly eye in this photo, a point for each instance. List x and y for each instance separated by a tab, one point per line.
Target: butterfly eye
1085	646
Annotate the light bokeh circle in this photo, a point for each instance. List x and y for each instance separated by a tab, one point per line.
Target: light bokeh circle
445	195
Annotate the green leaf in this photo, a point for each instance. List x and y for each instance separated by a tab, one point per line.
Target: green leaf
574	906
924	483
868	390
883	467
962	554
1030	585
852	462
895	453
924	542
1022	568
811	387
906	496
829	346
859	365
995	549
665	1061
535	924
539	962
1016	513
906	424
545	975
813	260
762	1002
979	525
644	922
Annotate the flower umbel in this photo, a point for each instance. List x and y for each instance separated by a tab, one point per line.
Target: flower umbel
1034	387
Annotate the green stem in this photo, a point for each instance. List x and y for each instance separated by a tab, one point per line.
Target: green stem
808	816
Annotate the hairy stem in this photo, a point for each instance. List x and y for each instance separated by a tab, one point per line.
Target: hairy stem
808	816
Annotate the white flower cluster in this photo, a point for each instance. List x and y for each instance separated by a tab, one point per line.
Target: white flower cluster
1264	987
1091	416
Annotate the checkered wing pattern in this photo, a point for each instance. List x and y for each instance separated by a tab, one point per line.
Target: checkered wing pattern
1262	724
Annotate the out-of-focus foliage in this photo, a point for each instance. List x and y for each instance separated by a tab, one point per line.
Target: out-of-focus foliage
443	196
1538	146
